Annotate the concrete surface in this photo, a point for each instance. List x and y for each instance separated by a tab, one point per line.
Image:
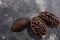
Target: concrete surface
10	10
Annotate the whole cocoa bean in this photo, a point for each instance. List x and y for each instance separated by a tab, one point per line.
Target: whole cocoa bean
20	24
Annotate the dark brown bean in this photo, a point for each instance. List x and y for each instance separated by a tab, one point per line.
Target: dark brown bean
38	26
49	18
20	24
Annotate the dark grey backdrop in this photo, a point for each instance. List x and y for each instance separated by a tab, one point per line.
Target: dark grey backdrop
10	10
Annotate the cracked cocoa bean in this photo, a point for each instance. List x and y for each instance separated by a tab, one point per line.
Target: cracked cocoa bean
38	26
49	18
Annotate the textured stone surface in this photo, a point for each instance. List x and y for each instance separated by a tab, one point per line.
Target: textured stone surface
10	10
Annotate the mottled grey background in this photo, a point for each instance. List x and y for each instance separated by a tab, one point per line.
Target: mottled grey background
11	10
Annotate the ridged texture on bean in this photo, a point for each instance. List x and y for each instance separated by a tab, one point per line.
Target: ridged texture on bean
49	18
38	26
